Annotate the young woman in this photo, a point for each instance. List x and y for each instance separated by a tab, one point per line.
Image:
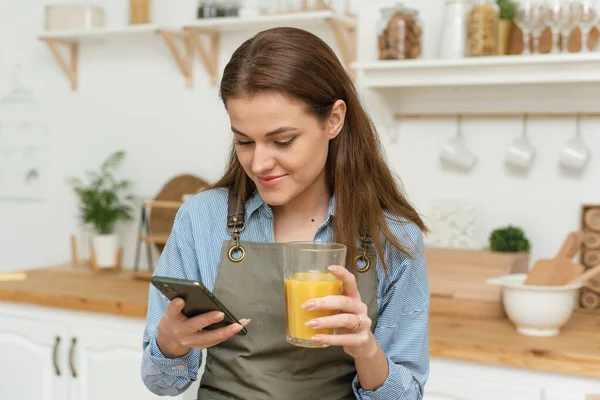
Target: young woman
306	165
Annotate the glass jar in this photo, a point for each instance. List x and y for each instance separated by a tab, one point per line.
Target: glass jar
482	28
399	33
207	9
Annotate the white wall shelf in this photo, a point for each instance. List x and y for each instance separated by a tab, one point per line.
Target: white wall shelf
100	34
489	87
72	40
343	27
191	37
497	70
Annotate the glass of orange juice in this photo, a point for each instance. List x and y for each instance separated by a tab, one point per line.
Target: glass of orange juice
306	277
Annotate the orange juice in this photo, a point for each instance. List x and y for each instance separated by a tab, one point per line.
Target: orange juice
301	287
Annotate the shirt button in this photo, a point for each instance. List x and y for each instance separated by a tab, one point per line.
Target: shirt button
181	368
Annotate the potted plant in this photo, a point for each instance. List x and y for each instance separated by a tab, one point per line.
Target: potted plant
511	240
104	201
508	10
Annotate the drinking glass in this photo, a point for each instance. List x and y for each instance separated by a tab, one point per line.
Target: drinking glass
586	14
556	17
570	23
537	23
530	19
307	277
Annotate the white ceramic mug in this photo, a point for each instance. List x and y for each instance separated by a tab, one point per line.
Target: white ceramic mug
520	153
456	154
575	154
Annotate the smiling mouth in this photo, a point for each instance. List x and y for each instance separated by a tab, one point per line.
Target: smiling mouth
271	181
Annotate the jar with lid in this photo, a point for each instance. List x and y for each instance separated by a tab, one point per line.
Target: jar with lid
399	33
217	8
482	28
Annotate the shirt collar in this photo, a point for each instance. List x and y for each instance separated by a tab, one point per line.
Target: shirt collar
255	202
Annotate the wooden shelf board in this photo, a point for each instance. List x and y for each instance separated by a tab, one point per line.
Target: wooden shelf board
242	23
157	239
99	34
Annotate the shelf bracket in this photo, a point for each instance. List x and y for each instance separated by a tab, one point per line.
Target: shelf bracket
69	67
345	36
209	56
184	58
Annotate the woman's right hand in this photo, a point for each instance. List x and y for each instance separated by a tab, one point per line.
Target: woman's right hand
177	334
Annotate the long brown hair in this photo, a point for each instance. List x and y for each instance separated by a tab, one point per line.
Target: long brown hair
299	64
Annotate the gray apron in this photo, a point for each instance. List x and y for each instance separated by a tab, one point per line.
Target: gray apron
262	365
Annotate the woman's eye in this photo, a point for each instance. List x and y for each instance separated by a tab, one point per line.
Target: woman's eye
286	143
242	143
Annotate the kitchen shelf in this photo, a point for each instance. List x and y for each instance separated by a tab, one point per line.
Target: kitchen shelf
183	40
342	26
72	40
495	70
98	35
506	86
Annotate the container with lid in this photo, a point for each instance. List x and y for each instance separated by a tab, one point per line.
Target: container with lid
482	28
453	34
399	33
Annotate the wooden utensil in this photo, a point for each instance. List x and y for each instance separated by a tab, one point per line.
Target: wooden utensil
560	269
587	275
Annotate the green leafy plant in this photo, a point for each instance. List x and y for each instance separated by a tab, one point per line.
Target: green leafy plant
104	201
509	239
508	9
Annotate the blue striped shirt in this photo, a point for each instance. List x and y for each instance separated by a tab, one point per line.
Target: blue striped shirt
193	250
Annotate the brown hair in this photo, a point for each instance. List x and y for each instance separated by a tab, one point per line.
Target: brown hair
299	64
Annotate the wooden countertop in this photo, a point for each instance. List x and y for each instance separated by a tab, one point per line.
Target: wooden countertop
78	288
492	341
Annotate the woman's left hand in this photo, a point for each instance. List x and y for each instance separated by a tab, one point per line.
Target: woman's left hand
352	323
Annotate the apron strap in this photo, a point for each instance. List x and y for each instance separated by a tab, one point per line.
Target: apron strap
363	261
235	215
235	225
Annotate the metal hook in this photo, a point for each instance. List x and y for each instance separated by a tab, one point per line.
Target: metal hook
578	124
525	121
459	125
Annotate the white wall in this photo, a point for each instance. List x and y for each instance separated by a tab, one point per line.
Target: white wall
132	96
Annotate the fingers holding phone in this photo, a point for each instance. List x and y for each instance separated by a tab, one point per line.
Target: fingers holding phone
200	338
177	334
195	318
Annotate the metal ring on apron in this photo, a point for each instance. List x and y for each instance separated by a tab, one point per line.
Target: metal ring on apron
366	259
233	249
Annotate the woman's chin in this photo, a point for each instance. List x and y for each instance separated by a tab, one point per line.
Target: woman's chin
274	198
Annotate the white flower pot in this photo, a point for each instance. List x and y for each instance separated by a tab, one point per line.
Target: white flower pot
105	249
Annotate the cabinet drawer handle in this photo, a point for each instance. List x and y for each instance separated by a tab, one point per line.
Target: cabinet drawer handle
55	355
71	352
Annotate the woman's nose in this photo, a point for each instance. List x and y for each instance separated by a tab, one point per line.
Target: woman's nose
262	161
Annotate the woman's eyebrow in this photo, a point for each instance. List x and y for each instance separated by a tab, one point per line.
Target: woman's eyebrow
277	131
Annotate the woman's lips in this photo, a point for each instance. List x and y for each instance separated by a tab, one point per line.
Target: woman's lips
271	181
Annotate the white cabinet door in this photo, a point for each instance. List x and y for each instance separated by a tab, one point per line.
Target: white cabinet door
33	363
106	359
474	388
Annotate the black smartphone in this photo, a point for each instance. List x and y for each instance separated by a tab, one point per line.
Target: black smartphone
198	299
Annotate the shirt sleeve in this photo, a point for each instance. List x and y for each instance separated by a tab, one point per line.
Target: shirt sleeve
402	326
170	376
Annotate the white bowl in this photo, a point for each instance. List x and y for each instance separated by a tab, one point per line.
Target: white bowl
536	310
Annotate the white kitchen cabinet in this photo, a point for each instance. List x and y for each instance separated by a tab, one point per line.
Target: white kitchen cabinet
461	380
32	359
53	354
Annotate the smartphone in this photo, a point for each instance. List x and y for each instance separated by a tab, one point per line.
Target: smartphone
198	299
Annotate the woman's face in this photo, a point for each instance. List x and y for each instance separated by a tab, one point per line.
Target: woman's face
282	147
